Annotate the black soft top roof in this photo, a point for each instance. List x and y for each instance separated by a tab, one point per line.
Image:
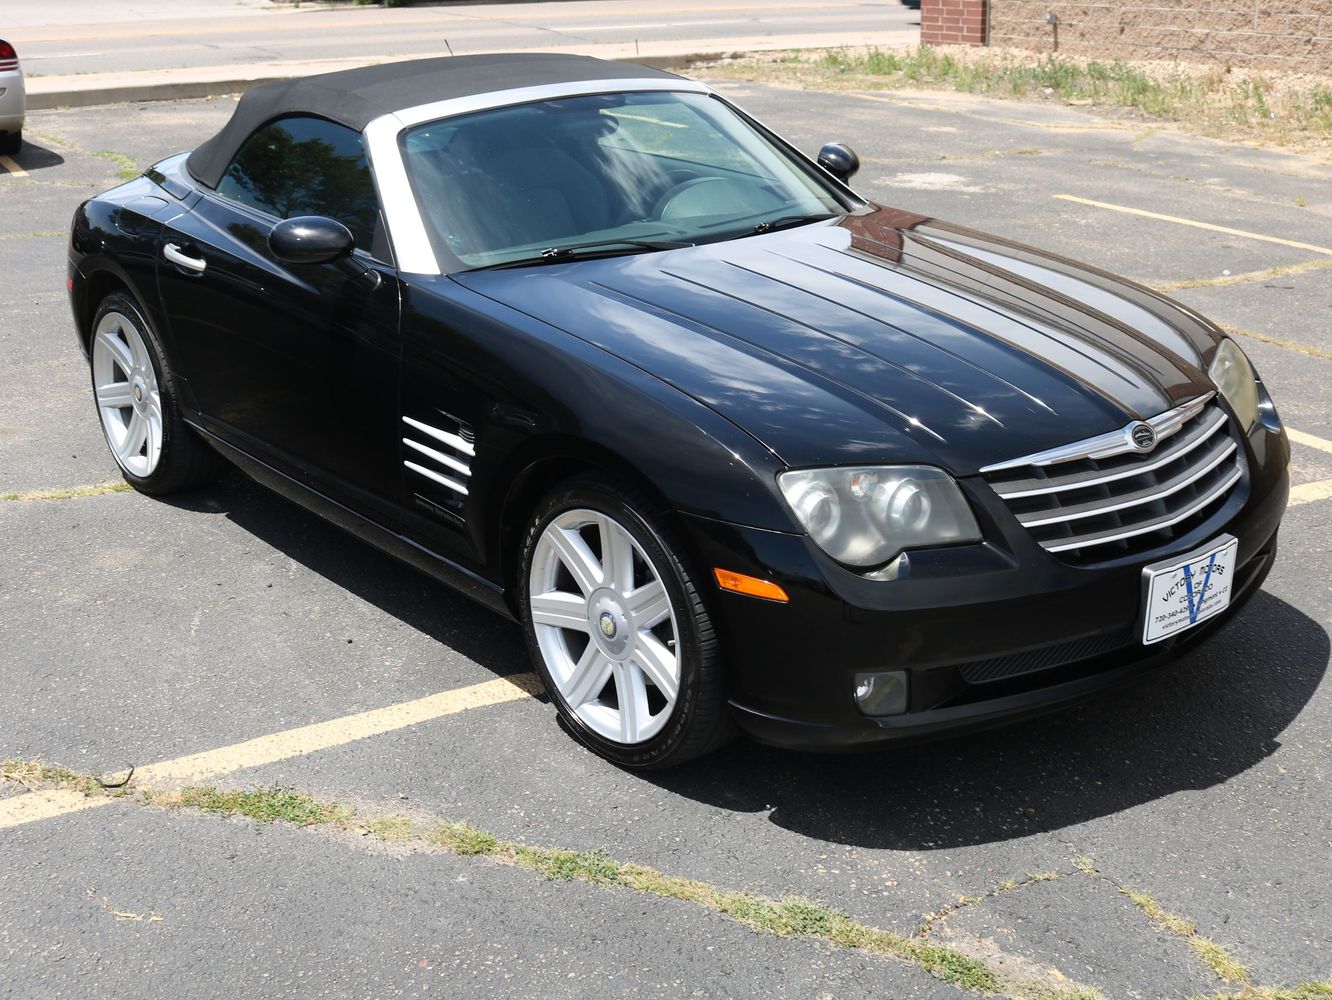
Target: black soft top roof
355	97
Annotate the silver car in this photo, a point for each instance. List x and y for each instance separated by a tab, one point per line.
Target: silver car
11	99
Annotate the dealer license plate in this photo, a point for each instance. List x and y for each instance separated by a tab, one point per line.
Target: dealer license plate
1181	593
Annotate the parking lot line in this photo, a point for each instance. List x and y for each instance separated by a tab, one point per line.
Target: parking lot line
33	806
1312	441
1195	224
1309	492
12	167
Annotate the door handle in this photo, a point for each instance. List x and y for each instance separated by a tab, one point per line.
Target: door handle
172	253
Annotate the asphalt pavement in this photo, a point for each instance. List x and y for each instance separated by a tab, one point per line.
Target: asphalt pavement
98	53
135	631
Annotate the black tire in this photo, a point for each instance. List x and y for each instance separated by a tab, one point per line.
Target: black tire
700	721
186	462
11	143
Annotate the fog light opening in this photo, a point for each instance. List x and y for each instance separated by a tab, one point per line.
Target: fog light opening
882	692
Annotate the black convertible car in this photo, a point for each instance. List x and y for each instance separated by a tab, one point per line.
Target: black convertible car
733	444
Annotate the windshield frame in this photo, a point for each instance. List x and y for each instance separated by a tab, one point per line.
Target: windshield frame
413	246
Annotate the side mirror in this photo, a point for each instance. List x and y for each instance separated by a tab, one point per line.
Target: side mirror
314	239
840	160
310	239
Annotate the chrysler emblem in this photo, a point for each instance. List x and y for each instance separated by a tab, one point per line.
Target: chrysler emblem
1142	436
607	622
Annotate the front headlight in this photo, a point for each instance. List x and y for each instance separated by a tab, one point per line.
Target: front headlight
864	516
1236	380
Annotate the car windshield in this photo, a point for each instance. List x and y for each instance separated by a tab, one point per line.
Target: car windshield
508	184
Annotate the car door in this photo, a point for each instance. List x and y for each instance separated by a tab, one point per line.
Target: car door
296	364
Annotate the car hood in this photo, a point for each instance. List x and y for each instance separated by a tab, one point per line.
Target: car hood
885	337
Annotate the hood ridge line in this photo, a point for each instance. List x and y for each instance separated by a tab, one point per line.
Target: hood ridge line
909	421
791	319
996	270
1027	323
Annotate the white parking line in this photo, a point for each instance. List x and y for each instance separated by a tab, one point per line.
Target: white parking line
12	167
33	806
1195	224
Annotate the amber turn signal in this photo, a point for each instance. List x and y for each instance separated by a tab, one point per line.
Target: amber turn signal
749	585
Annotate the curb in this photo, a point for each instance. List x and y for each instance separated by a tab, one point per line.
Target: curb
178	90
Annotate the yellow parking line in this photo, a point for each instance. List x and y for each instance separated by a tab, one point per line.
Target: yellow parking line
1299	437
1309	492
34	806
31	807
12	167
1195	224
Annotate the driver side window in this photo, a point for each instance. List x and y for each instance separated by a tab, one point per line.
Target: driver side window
306	166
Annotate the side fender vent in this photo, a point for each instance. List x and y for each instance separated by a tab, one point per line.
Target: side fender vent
439	458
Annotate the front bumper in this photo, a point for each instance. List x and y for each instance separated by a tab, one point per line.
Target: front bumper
988	633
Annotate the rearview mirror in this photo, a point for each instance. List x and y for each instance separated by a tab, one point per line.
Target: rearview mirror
840	160
310	239
314	239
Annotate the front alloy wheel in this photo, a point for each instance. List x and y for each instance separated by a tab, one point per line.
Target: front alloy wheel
604	626
617	630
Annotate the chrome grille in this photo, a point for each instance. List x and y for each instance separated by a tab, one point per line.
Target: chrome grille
1102	498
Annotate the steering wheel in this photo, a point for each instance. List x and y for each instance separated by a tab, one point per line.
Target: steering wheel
675	202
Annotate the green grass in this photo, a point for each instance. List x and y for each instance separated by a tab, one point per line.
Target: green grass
71	493
392	828
790	917
264	805
35	773
1223	964
1101	82
127	170
1212	100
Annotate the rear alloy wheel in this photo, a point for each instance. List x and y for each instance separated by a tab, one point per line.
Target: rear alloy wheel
618	632
137	405
129	400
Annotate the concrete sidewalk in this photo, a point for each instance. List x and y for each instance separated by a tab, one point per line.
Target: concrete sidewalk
84	89
200	48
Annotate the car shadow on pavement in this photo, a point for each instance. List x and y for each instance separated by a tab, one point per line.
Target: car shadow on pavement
413	598
32	156
1190	725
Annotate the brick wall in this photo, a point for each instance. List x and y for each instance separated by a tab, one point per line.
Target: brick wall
952	22
1265	34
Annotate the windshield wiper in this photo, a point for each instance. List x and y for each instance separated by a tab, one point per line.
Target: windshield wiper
605	248
568	249
787	221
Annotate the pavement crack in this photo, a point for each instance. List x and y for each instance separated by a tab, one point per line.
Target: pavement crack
1224	965
939	916
791	916
1290	345
1219	959
1246	277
